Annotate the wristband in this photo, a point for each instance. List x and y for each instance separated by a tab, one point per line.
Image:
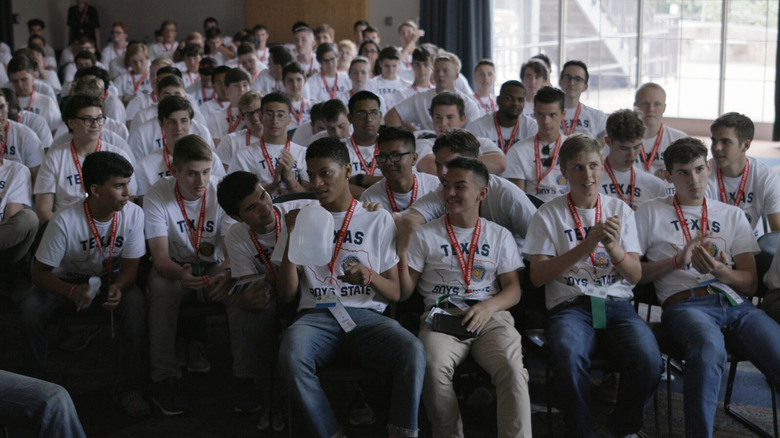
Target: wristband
206	280
674	263
621	260
370	277
295	186
404	267
70	292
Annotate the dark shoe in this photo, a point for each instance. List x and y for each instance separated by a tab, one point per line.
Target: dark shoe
197	361
278	420
246	397
167	396
133	404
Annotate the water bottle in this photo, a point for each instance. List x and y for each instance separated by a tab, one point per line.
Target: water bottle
94	288
311	241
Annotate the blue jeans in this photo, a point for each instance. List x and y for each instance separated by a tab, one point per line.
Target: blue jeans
631	347
377	342
42	406
130	315
702	327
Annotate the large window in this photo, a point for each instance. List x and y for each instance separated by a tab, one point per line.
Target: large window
711	56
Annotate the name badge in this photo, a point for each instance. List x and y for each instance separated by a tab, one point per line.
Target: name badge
730	293
596	290
342	317
326	300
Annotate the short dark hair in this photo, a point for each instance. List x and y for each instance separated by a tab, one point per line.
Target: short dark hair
459	141
222	69
330	148
369	43
486	62
100	166
683	151
208	20
234	188
421	54
511	83
548	94
316	112
35	22
20	63
332	109
625	125
191	148
169	81
544	58
472	165
538	66
246	48
292	67
168	70
10	99
361	96
171	104
192	50
449	98
259	27
577	144
77	102
95	71
360	23
280	55
235	75
741	123
86	54
276	97
213	33
577	63
324	48
369	29
389	52
207	66
396	133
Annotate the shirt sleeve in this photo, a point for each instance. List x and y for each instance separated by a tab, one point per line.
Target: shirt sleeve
509	257
46	181
20	188
539	241
54	243
156	223
430	206
135	244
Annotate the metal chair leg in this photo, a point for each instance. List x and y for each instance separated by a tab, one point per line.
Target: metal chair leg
669	395
549	401
738	415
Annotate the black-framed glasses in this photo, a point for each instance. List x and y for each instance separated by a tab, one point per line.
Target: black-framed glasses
570	78
249	114
364	114
394	157
90	121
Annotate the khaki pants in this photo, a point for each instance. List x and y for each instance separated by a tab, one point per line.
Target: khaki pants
498	351
16	236
165	297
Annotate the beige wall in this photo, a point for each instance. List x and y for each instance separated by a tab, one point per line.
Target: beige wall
399	10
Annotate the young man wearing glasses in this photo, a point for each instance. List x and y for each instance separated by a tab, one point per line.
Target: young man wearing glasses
580	118
401	185
532	164
277	161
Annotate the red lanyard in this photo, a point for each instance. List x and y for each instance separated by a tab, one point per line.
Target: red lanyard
77	163
276	86
369	169
96	235
5	140
166	155
117	54
189	75
722	187
140	81
268	162
574	121
32	96
165	46
299	114
219	102
199	229
391	196
331	91
578	223
265	55
492	108
269	267
539	175
465	267
505	145
611	174
203	92
684	225
232	126
84	14
248	136
414	87
311	67
254	76
342	235
654	152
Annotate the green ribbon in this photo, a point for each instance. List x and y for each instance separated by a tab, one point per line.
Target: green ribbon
598	309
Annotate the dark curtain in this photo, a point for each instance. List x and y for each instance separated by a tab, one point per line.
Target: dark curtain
776	130
6	23
463	27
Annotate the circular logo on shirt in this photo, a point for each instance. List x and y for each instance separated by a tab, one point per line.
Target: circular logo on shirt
206	249
348	259
713	249
478	273
660	174
561	180
602	259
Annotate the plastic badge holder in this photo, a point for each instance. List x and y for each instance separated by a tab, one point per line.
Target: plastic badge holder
311	241
94	288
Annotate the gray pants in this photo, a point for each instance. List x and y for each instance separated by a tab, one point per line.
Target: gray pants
17	235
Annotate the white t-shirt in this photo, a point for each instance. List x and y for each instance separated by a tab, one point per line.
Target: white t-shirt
591	121
315	88
200	94
58	175
378	193
244	259
232	143
15	185
164	218
553	232
367	153
251	159
300	108
415	109
405	93
667	138
505	204
114	108
211	106
303	133
151	112
432	255
50	77
388	90
268	83
38	125
22	145
45	107
424	147
152	168
661	237
485	127
310	68
126	83
370	241
761	196
68	244
647	186
43	87
138	103
147	138
63	140
521	164
160	50
219	125
110	53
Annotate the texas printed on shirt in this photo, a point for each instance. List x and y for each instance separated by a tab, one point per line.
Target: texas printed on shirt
553	232
521	164
431	253
367	153
761	195
69	246
15	185
661	237
646	186
369	240
252	159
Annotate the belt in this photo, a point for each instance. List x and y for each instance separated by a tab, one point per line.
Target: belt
688	293
582	300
